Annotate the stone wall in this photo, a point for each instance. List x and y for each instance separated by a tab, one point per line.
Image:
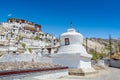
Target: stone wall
115	63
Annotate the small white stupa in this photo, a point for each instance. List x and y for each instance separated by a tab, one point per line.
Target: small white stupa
71	52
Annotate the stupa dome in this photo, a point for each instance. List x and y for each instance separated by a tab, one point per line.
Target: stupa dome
71	42
73	37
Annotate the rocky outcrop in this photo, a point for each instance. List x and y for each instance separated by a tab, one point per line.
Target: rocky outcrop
116	56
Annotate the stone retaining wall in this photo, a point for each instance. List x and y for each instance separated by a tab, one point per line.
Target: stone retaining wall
115	63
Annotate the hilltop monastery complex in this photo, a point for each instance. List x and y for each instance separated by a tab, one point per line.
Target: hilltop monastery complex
16	33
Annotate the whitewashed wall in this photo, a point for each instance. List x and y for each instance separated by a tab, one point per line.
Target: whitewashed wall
73	61
53	74
24	57
5	48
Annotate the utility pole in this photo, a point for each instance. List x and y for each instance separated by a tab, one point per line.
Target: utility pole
86	44
118	46
110	45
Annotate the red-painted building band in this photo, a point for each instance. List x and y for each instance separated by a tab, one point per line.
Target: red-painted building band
10	72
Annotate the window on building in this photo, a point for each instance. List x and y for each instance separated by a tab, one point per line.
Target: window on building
67	41
13	30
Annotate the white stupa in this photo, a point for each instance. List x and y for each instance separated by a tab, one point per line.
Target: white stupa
71	52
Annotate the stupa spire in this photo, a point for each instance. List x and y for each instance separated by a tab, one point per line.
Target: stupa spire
71	24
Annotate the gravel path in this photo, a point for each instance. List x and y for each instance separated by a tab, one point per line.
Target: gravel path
109	74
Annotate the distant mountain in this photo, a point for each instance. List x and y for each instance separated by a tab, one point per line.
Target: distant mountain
101	45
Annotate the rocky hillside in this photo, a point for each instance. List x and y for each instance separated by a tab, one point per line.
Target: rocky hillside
102	45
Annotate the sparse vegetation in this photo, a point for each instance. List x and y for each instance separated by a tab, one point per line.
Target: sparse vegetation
36	37
30	50
11	33
23	45
97	56
94	56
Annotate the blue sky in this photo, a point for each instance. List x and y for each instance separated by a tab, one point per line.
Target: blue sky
92	18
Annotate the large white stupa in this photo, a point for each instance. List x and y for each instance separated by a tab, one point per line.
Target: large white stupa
71	52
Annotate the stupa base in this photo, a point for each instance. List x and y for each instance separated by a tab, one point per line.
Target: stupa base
81	71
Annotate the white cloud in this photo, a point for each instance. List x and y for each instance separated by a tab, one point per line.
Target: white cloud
9	15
